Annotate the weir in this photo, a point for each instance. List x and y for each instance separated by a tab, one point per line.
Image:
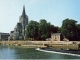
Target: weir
57	52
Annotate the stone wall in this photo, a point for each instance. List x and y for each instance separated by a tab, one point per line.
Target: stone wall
40	42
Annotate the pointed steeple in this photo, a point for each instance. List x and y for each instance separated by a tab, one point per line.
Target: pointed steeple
23	13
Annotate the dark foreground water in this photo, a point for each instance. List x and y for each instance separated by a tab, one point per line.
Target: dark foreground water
12	52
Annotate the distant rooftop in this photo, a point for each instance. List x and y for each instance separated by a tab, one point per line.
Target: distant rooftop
1	33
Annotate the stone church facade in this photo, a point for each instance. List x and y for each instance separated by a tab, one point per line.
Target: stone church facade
19	31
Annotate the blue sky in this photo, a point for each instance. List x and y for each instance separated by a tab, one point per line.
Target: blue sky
54	11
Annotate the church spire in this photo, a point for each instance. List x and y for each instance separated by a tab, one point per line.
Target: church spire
23	13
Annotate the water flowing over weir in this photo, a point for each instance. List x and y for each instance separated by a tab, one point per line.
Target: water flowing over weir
57	52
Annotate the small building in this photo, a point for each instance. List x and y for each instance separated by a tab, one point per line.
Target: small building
4	36
56	37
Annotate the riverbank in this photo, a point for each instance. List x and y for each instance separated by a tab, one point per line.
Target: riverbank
43	44
27	44
38	42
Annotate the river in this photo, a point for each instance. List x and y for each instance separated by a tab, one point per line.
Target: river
12	52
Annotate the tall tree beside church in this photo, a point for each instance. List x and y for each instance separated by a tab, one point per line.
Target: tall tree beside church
32	30
44	28
41	30
69	29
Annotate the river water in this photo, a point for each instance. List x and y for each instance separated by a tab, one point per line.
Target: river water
12	52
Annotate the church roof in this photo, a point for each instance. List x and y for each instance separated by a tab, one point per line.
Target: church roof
18	26
11	31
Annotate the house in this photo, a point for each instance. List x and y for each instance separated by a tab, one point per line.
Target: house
4	36
56	37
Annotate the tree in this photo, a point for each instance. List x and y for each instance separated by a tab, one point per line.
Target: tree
69	29
41	30
55	29
78	32
44	29
32	30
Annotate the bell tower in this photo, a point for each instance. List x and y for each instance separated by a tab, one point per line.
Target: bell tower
24	21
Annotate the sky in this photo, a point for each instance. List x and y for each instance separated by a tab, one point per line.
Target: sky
54	11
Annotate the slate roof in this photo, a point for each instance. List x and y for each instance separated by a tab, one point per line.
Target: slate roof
56	34
4	33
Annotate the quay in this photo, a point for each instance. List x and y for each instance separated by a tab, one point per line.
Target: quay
44	44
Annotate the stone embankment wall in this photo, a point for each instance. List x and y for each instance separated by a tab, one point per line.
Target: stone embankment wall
39	42
52	44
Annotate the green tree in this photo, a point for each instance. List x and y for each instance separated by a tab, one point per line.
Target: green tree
41	30
32	30
78	32
69	29
55	29
44	29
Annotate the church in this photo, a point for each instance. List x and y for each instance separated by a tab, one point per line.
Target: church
19	31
